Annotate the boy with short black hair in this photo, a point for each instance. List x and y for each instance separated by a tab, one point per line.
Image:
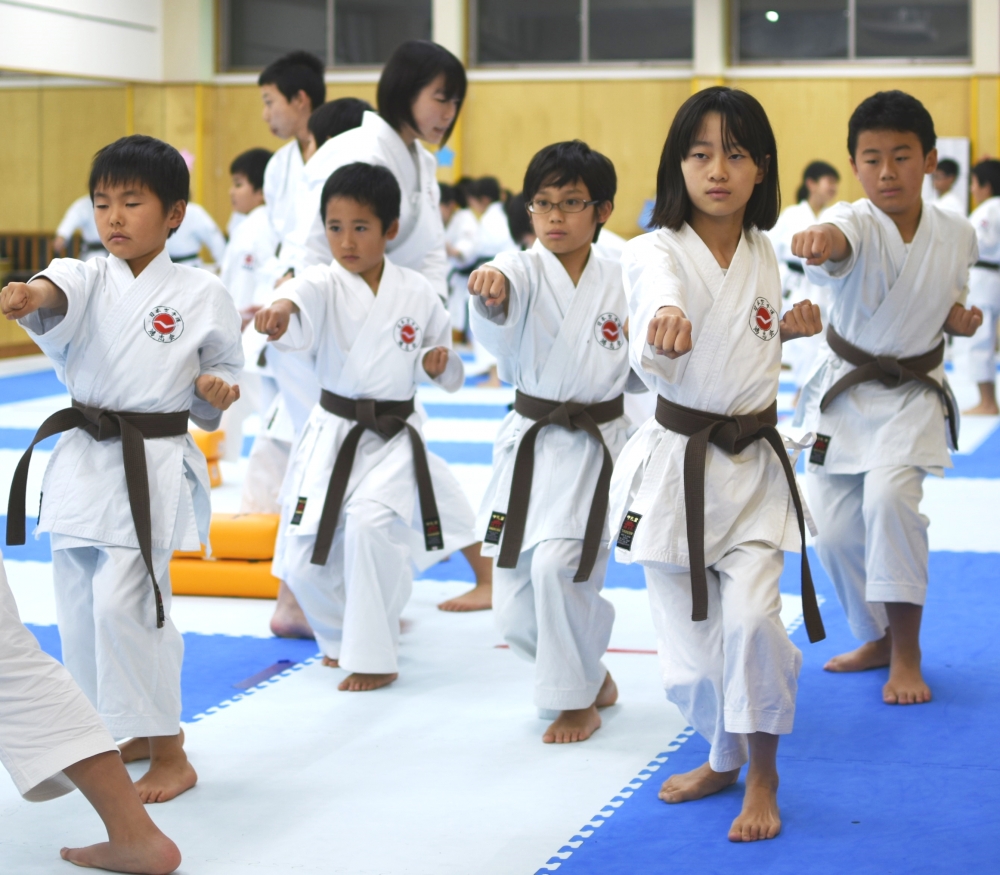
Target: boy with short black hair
252	243
943	178
554	317
142	345
353	525
898	271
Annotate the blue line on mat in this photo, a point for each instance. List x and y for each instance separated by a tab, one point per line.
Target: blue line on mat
214	664
26	387
31	550
467	453
866	788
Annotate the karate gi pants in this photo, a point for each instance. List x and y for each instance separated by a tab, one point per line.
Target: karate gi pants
265	472
561	626
976	356
46	723
353	603
736	672
872	541
129	669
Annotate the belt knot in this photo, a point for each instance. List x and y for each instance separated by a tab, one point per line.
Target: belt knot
565	415
892	371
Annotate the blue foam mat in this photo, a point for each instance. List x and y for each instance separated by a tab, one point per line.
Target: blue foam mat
213	664
866	787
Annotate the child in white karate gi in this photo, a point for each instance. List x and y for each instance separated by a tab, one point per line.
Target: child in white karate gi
353	525
52	741
704	495
976	356
142	345
554	317
898	273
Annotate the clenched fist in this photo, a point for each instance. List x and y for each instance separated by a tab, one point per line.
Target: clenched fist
820	243
489	284
669	332
216	391
273	321
18	300
435	361
962	322
803	320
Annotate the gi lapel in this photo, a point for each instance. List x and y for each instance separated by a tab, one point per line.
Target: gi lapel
367	344
576	308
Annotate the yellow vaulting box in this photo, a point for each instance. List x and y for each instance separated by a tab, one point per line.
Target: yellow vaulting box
223	577
242	549
210	443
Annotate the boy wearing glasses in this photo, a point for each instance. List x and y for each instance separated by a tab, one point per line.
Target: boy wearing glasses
554	317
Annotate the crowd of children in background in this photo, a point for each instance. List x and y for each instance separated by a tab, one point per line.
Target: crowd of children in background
694	483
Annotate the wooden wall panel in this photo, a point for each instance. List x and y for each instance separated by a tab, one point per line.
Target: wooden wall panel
20	160
76	123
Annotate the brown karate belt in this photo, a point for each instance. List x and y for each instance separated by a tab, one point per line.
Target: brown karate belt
574	416
386	419
101	425
890	371
732	434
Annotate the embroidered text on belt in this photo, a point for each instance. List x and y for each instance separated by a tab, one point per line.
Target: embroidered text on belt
574	416
133	429
386	419
889	371
732	434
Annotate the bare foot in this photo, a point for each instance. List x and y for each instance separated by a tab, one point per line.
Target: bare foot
982	409
872	654
289	621
906	685
149	855
136	749
760	818
607	695
331	663
570	726
480	598
170	773
360	682
696	784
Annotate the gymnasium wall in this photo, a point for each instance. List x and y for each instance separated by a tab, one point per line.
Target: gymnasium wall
51	133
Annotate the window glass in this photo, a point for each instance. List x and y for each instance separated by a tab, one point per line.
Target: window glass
368	31
779	30
913	29
262	30
640	30
525	31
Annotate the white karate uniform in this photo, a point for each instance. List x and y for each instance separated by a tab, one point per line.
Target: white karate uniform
560	343
419	245
80	217
197	230
460	235
287	379
975	357
887	298
111	355
953	202
353	603
247	252
736	672
796	287
235	220
46	723
494	233
610	245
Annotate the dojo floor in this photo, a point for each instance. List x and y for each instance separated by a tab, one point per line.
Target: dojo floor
444	771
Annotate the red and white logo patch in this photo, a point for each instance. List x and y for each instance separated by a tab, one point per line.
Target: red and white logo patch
608	331
407	334
163	324
249	262
763	319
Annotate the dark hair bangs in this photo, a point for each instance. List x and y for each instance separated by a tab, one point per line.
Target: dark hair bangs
251	164
744	125
295	72
337	116
370	185
144	161
987	172
891	111
412	67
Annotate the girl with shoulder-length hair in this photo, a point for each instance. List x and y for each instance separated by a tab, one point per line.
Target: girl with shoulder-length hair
710	524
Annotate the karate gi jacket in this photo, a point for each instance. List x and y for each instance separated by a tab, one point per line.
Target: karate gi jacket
134	344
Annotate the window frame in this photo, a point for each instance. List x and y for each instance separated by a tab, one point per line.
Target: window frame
223	49
472	35
852	58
